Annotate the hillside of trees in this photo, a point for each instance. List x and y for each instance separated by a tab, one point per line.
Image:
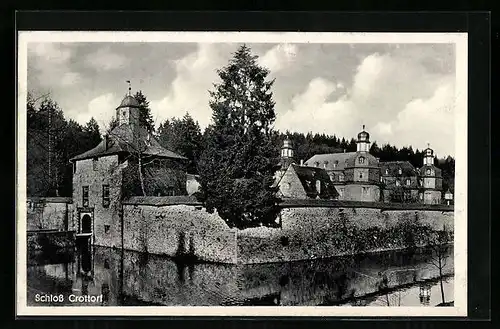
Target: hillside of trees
53	139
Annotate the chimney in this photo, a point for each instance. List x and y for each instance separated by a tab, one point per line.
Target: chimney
301	162
344	150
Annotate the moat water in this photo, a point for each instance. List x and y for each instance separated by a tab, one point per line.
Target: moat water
117	277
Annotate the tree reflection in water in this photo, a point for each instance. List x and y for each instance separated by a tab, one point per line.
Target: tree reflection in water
145	279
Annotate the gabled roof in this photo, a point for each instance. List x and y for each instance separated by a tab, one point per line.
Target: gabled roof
328	160
392	168
129	139
308	177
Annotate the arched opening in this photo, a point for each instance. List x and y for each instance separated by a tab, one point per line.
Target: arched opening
86	224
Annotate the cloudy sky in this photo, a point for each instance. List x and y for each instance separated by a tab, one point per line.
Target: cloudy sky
403	93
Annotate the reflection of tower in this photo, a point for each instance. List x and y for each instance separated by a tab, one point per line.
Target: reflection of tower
425	294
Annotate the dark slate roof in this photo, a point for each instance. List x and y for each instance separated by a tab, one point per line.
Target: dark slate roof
330	159
308	177
162	200
342	160
129	101
423	170
393	168
125	139
370	160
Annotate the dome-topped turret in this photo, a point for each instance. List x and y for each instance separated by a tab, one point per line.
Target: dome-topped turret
129	101
363	136
428	155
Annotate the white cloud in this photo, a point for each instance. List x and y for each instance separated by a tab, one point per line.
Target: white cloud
70	78
398	100
429	120
50	52
101	108
311	112
51	63
105	59
279	57
189	91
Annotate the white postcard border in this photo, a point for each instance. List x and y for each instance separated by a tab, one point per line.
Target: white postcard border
460	244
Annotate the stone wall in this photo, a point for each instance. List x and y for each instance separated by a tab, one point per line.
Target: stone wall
178	230
313	232
48	213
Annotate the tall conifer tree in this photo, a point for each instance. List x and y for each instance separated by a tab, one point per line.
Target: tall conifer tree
239	160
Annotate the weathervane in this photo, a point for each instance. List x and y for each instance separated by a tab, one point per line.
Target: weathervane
129	88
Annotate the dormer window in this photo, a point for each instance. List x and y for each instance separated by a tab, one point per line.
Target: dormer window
428	172
361	160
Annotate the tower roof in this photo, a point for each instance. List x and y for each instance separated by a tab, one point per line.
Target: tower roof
363	135
129	101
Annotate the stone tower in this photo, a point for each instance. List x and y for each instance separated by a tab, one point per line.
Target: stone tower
287	154
430	179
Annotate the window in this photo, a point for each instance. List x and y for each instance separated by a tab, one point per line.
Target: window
106	228
365	190
408	182
316	164
85	196
74	167
332	177
381	179
400	171
360	175
428	172
387	171
397	183
361	160
94	163
335	163
105	196
341	192
341	178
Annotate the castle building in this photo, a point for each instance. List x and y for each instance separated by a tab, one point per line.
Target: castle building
129	161
355	175
301	182
431	181
399	181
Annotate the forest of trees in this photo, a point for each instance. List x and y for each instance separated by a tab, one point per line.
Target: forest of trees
46	123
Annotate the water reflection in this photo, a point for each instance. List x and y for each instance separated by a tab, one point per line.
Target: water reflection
132	278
